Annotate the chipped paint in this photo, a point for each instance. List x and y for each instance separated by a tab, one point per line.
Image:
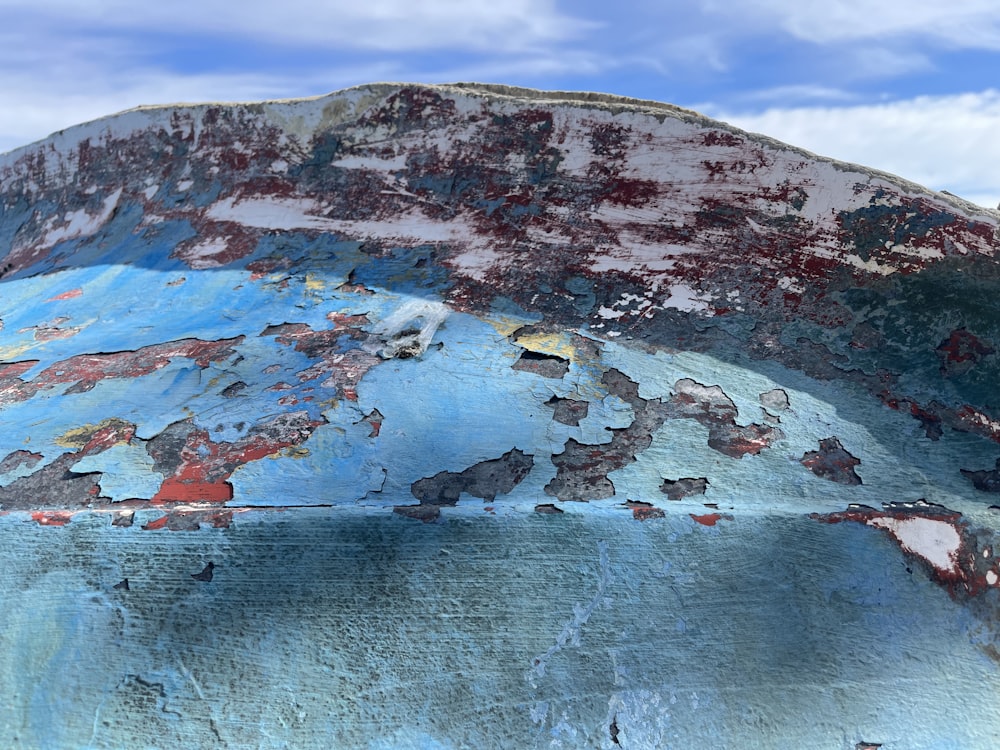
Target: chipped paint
642	375
937	542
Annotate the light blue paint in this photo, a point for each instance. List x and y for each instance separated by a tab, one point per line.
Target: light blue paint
417	632
127	471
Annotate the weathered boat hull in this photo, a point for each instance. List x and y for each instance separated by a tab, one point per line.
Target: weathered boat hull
477	417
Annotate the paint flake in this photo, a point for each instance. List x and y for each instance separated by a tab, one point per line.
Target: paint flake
937	542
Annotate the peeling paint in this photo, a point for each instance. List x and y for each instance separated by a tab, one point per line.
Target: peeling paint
244	345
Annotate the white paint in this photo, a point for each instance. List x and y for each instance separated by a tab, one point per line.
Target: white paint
789	285
683	297
185	185
978	418
373	163
835	254
991	577
614	214
665	146
409	227
632	253
271	212
945	141
204	254
78	223
937	542
478	260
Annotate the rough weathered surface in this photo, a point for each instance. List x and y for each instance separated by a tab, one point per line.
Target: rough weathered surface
703	429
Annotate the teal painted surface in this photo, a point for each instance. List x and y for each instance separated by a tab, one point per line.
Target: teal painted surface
349	629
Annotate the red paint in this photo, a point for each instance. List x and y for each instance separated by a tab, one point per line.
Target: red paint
159	523
108	436
260	268
970	419
176	489
350	323
647	512
220	519
187	520
66	295
15	369
710	519
85	370
206	465
722	138
962	346
742	440
51	517
334	365
238	241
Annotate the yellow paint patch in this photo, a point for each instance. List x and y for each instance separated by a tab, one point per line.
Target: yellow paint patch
13	352
80	436
556	344
505	325
314	283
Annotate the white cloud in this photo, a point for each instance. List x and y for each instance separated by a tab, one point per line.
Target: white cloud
391	25
944	142
867	60
962	23
798	92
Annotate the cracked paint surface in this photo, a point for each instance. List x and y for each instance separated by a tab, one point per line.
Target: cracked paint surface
693	419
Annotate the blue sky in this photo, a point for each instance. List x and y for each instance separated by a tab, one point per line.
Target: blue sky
909	86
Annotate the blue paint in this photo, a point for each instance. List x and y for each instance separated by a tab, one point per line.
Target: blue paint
375	597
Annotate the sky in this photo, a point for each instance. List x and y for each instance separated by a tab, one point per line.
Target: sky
907	86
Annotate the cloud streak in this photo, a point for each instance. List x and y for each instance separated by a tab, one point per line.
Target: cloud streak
964	24
388	25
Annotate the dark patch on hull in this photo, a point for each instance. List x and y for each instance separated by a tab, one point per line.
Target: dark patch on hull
678	489
832	462
485	480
